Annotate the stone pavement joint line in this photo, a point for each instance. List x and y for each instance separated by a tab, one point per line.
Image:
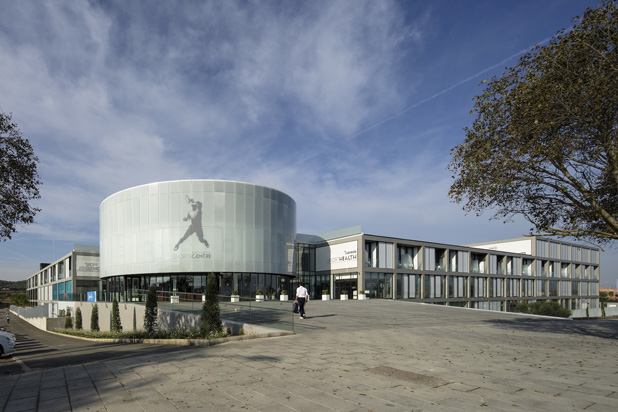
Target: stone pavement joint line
349	356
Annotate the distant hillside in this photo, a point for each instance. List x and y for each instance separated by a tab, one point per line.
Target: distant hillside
13	285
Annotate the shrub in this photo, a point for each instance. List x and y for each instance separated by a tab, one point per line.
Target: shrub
94	319
210	322
259	292
68	320
150	317
116	323
549	308
142	334
234	292
521	307
78	319
544	308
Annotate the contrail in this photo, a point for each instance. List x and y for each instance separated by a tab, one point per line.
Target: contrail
438	94
448	89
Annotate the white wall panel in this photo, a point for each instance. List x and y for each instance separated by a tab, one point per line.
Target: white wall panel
246	226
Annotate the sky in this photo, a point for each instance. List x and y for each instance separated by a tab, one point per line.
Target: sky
350	107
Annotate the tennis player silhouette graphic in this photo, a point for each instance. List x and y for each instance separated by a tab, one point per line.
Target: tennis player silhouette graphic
195	216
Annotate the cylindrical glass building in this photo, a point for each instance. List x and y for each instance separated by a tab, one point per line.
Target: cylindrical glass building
173	234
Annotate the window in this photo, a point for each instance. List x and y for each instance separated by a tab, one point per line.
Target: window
434	259
305	258
527	287
379	255
379	285
458	260
496	287
499	265
457	286
477	264
565	288
553	287
541	287
477	287
527	267
408	257
408	286
434	286
553	269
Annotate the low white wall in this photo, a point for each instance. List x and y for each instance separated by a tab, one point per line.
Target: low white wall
132	318
595	313
131	315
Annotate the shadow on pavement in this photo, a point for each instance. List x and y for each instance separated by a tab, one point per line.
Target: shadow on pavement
607	329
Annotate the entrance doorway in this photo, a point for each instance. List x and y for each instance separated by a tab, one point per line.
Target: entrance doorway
347	283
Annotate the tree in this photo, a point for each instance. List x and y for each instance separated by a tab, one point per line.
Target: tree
544	143
94	318
68	320
211	314
78	318
116	323
19	179
150	317
20	299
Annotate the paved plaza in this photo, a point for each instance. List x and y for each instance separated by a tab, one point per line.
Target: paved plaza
374	355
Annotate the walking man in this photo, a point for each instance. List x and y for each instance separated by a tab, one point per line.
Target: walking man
302	296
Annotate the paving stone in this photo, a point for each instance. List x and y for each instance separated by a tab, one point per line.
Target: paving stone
356	356
22	404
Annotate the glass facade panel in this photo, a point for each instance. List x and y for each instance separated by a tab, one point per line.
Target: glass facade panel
408	257
379	285
408	286
457	286
541	287
512	287
541	248
478	287
379	255
496	287
434	286
553	287
527	267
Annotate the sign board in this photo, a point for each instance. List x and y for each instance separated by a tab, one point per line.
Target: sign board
92	296
333	257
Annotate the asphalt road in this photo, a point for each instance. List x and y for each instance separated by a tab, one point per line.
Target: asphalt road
37	349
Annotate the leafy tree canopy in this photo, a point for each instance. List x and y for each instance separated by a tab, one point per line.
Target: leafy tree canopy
19	179
20	299
544	143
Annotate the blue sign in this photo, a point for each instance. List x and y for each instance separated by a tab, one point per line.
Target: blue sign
92	296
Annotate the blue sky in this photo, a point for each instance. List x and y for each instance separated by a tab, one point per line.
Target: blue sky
350	107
